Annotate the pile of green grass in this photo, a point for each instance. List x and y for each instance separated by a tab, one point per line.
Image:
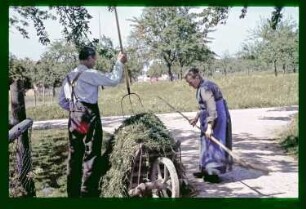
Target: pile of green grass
143	128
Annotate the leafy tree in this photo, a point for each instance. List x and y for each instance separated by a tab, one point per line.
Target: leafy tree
213	16
156	69
107	54
57	61
172	34
192	47
248	54
279	46
62	52
75	29
73	19
225	62
175	34
19	69
50	74
272	46
135	63
139	55
154	28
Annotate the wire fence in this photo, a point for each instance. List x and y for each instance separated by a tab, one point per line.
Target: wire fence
39	98
21	183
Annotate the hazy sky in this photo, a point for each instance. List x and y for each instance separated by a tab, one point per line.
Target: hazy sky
226	39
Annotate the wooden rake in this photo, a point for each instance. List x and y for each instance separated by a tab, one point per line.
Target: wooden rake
127	81
237	159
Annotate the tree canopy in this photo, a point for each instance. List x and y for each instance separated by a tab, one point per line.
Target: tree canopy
273	46
174	34
74	21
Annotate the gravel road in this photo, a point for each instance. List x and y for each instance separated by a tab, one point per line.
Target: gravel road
254	132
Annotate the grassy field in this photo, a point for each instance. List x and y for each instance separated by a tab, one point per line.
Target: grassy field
240	91
49	157
49	147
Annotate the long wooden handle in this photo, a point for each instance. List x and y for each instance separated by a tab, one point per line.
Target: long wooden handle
235	157
118	29
238	159
121	49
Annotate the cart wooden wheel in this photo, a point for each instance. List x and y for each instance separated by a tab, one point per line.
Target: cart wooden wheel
163	170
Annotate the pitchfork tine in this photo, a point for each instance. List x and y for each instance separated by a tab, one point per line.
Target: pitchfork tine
130	101
125	70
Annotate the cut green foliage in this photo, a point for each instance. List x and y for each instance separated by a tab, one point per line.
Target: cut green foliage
145	129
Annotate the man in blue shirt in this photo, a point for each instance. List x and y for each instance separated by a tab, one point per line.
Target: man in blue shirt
79	96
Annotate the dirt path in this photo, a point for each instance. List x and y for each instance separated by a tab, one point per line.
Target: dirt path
253	133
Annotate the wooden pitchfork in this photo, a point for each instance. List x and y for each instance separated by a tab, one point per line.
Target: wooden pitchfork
237	159
127	81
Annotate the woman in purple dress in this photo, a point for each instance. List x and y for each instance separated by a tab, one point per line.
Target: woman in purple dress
215	121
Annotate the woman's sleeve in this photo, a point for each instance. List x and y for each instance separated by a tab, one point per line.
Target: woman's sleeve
211	107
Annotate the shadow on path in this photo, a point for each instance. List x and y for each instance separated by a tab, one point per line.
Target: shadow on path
255	150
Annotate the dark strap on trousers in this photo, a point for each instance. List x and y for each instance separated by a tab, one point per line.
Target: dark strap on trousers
72	84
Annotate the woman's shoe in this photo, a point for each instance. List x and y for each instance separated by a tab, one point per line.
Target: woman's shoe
198	174
212	178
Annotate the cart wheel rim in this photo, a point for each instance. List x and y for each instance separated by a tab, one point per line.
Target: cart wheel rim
164	170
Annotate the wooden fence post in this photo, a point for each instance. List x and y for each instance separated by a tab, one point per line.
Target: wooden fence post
24	162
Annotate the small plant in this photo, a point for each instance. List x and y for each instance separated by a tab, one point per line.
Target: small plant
290	137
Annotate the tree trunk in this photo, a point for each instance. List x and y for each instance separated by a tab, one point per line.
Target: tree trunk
181	73
170	72
294	69
284	68
53	90
43	93
23	155
35	93
275	68
35	97
17	102
131	79
211	71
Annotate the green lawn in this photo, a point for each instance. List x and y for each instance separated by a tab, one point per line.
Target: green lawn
240	91
49	157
